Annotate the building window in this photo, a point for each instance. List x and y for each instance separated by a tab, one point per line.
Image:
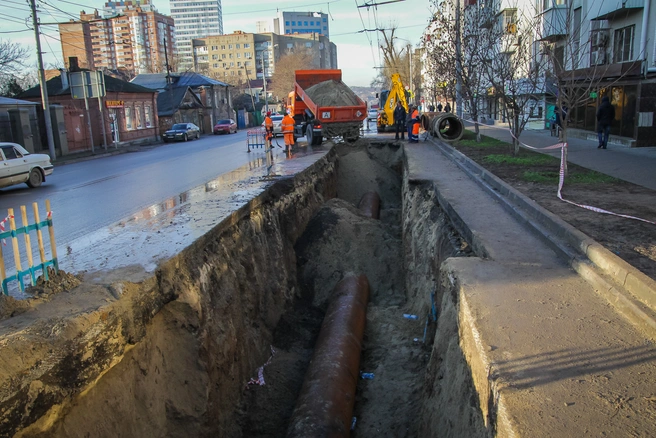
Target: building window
293	23
248	63
149	116
230	55
286	23
248	55
308	44
239	73
311	23
223	47
624	44
232	73
224	65
324	19
215	65
238	55
239	64
247	45
215	56
232	64
230	46
128	118
237	46
223	56
215	47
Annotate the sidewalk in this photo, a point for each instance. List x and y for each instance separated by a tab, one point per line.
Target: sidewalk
635	165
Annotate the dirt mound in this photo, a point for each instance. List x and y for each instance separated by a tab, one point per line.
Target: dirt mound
332	93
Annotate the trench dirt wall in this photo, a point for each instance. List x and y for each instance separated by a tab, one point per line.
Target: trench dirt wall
190	337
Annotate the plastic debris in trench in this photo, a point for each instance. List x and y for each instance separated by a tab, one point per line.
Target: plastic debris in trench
260	371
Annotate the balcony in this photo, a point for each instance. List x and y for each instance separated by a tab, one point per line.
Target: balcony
554	23
616	9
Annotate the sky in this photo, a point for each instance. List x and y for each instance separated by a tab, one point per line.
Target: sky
357	51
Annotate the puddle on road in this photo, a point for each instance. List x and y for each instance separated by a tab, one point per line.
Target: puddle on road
162	230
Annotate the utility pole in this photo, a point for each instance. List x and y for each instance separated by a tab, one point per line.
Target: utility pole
458	63
266	100
412	90
42	83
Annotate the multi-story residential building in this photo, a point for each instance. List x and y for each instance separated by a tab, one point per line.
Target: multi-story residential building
116	7
606	46
194	19
136	41
288	23
241	56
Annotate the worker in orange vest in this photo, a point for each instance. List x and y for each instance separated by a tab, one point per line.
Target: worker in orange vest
288	130
413	133
268	128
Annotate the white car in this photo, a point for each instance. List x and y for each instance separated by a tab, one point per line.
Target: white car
372	115
277	124
19	166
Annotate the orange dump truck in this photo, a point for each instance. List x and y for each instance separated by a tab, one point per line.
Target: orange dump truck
323	106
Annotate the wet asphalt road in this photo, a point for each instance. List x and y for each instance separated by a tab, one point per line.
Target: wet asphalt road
89	195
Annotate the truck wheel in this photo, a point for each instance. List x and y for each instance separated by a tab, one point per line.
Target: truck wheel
309	136
316	140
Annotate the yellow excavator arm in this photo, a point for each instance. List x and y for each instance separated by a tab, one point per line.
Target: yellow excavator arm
396	94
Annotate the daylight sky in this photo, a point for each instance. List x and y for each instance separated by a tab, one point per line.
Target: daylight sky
357	52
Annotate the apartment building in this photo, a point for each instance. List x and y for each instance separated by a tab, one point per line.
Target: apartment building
241	56
607	45
194	19
289	23
136	41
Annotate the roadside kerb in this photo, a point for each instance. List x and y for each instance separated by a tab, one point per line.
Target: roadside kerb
629	290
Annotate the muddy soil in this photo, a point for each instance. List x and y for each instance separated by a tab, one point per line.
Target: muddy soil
332	93
632	240
339	239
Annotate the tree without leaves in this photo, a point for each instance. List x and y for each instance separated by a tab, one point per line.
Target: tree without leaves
12	57
395	60
282	80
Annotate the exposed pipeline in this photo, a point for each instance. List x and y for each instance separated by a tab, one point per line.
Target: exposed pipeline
325	405
370	205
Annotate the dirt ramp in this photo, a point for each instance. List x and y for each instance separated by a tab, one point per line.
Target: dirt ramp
340	239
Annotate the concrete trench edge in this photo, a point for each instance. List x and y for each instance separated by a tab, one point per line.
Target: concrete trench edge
634	293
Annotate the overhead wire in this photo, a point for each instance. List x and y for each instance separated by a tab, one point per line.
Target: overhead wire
276	9
373	56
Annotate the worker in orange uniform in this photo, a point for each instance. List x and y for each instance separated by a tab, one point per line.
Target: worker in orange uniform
288	130
414	117
268	128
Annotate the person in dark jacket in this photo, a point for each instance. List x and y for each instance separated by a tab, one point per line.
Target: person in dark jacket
605	117
439	107
447	108
399	120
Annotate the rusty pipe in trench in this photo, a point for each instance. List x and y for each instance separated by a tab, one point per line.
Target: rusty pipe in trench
370	205
324	407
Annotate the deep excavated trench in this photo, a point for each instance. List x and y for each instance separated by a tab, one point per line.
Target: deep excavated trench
173	356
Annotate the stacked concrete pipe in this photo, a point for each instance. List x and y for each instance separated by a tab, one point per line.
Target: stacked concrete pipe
446	126
325	406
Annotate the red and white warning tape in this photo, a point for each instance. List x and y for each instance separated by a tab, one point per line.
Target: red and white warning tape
260	371
2	228
561	178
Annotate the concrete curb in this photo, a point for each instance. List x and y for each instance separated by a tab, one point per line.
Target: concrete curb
625	287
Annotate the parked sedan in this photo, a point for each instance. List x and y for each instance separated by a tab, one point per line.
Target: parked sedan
225	126
372	115
19	166
277	124
182	132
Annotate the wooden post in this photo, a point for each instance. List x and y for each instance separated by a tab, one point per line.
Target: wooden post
51	230
28	245
39	238
14	242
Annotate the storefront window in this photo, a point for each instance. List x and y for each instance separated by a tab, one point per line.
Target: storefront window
128	118
137	117
148	114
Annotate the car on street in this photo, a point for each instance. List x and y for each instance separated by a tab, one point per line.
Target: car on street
277	124
372	115
19	166
225	126
181	132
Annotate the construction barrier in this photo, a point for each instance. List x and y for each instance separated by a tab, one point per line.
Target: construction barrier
255	139
25	230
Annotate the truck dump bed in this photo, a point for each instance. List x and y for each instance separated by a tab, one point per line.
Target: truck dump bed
328	98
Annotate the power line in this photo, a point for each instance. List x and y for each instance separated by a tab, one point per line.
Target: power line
277	9
53	6
20	20
16	31
375	30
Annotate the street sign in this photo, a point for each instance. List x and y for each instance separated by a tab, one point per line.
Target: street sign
114	103
87	84
593	95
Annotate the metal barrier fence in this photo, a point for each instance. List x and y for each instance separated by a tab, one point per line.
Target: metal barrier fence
255	138
25	230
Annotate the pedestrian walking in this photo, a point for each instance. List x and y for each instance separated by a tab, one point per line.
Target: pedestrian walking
431	108
399	120
287	126
605	117
439	107
447	108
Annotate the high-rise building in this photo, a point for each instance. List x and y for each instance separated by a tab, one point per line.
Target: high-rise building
194	19
116	7
289	23
242	56
136	41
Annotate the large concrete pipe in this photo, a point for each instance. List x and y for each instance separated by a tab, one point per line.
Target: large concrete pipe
325	406
447	127
370	205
